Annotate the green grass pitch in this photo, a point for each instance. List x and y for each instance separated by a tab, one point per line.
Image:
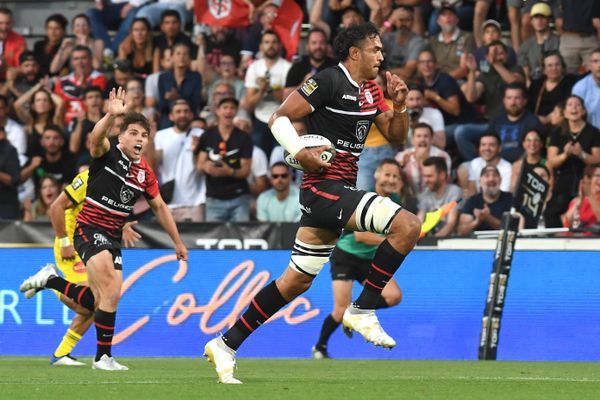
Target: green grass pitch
283	379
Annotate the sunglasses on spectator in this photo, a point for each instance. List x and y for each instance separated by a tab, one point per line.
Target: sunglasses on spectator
277	176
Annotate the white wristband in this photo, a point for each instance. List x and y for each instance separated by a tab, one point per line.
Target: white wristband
286	135
64	241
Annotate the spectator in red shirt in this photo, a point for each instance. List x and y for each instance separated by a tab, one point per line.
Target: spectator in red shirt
70	88
11	43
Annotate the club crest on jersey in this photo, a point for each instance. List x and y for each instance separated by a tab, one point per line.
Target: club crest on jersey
126	194
369	96
141	176
220	8
309	86
362	127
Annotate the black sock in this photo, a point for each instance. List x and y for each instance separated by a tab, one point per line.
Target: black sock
105	329
78	293
266	303
381	303
387	260
329	326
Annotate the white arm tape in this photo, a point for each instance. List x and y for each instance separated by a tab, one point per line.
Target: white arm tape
286	135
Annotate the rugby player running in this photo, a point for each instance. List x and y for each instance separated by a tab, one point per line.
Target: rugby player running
118	176
340	103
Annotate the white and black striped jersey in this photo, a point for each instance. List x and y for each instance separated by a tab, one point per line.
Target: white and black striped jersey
343	112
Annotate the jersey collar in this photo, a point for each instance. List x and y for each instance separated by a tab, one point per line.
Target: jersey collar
343	68
125	156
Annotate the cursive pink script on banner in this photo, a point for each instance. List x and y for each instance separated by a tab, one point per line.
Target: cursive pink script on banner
235	281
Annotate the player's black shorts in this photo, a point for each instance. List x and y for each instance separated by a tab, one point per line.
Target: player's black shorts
90	240
348	267
329	204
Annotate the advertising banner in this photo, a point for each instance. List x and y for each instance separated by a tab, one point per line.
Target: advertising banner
552	313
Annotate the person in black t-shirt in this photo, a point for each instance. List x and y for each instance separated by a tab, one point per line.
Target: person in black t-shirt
315	61
225	157
170	28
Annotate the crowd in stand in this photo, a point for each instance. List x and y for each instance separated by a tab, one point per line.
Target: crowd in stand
484	106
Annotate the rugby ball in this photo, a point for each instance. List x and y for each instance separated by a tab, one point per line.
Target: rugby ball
309	141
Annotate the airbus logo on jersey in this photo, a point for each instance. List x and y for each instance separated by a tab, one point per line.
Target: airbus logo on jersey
349	97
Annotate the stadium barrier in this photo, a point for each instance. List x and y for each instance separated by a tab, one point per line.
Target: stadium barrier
552	309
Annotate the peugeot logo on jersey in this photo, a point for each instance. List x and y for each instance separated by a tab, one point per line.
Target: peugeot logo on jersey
362	127
126	194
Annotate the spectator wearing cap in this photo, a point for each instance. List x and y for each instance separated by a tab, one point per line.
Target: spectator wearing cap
451	44
180	82
11	43
484	210
281	202
46	49
225	157
463	9
70	87
21	80
402	46
588	89
492	31
581	32
543	41
113	14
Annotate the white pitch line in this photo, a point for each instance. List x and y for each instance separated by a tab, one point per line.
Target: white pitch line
88	383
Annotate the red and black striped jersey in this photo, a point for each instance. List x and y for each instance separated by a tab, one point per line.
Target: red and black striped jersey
70	89
343	112
114	185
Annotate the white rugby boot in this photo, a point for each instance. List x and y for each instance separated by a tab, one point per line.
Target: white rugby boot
107	363
38	281
67	361
366	323
223	358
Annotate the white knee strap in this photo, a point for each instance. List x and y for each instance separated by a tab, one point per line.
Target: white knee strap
310	258
375	213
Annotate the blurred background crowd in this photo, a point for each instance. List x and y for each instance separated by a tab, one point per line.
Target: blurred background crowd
497	87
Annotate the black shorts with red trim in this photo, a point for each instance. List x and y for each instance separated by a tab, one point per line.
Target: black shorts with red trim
348	267
90	240
328	204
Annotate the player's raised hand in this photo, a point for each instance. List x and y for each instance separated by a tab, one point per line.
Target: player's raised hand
310	158
116	102
397	89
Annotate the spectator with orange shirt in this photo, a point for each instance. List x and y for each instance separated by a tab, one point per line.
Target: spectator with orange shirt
11	43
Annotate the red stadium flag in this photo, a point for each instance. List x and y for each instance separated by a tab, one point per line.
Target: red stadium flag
229	13
288	25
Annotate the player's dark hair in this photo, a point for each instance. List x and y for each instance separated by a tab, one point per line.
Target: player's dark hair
181	44
134	118
554	53
515	86
497	43
55	128
353	36
169	13
6	11
81	15
317	30
438	162
388	161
